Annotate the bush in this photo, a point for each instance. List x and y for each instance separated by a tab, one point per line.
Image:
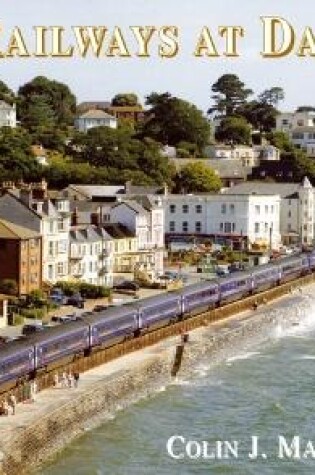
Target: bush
36	313
8	286
89	291
18	320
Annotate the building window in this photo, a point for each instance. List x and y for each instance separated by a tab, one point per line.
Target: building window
257	227
198	226
257	209
60	268
61	225
233	227
185	209
62	246
221	227
227	227
266	227
50	272
172	208
272	209
198	209
185	226
289	227
223	208
91	266
232	208
289	214
51	249
289	202
266	209
172	226
51	226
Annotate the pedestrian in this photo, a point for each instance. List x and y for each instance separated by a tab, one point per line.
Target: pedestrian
5	406
64	380
76	377
56	380
12	402
70	380
34	389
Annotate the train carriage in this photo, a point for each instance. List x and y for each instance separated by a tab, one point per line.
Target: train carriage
200	297
17	359
293	267
265	277
58	345
113	325
160	310
235	287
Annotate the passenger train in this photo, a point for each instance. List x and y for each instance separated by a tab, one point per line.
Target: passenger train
57	345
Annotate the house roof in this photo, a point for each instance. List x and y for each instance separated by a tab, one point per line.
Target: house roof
96	114
10	230
137	108
134	205
225	168
285	190
89	234
118	231
91	191
83	106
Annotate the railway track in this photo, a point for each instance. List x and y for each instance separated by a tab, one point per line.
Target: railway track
218	315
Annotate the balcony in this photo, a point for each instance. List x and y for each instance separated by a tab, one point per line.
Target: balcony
76	257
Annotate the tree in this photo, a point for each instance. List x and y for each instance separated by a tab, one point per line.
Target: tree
6	94
53	95
234	130
125	99
173	120
230	94
260	115
272	96
197	177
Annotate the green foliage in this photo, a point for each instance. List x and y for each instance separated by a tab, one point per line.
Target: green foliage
272	96
261	115
8	286
117	155
89	291
197	177
18	320
44	103
6	94
234	130
16	159
230	94
125	99
173	120
36	313
182	153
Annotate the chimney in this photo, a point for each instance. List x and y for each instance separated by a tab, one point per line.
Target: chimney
95	219
26	196
74	217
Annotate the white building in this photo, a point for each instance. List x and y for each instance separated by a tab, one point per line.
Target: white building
255	218
95	118
7	114
297	209
91	255
145	218
287	121
51	220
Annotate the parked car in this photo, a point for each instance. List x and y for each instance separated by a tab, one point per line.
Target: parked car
100	308
57	296
31	328
127	285
76	300
61	318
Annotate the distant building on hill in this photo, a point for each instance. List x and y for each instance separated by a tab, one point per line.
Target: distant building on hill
95	118
7	114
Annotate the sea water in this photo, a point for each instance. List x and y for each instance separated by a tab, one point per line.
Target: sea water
266	392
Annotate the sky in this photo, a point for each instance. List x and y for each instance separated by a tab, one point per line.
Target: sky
184	76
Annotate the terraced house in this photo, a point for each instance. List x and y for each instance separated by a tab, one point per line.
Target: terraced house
29	207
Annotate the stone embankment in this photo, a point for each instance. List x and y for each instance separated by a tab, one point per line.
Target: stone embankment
40	429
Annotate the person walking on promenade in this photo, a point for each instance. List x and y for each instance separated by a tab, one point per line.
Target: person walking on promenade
34	389
12	402
56	380
70	380
64	380
76	377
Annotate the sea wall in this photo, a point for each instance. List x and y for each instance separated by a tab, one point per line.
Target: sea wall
35	443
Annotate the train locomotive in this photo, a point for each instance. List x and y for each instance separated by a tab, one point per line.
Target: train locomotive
58	345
